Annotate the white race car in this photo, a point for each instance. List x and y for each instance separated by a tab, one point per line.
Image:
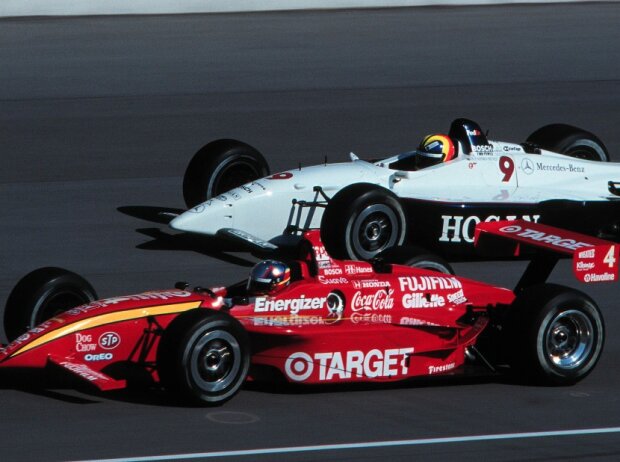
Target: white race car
560	176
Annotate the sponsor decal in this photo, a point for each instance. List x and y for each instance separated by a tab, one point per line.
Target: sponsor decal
370	284
457	297
258	185
335	307
409	321
371	318
340	280
539	236
419	300
380	300
527	166
285	321
442	368
420	283
109	340
280	176
583	266
483	149
200	207
98	357
84	342
293	305
587	253
222	197
357	269
474	132
458	228
300	366
83	371
332	271
138	297
604	277
570	168
321	254
512	148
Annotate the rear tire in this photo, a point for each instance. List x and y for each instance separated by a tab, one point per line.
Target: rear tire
571	141
361	221
219	167
416	257
204	356
41	295
555	335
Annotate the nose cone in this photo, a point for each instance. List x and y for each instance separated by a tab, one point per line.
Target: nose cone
206	218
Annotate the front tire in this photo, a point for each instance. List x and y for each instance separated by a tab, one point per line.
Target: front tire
571	141
204	356
361	221
219	167
41	295
555	335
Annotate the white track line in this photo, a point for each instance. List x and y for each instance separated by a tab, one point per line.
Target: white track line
366	445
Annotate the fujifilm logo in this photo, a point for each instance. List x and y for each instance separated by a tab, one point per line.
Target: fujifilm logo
457	228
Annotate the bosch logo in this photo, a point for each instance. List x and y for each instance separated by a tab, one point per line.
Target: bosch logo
299	366
109	340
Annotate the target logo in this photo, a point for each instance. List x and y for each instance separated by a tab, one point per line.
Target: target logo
299	366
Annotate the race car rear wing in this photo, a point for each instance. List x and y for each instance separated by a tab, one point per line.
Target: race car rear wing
594	259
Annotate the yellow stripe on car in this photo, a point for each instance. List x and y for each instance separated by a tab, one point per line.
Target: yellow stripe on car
108	318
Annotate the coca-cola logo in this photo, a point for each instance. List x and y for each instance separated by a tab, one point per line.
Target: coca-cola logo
380	300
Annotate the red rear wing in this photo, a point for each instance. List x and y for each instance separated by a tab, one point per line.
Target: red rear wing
594	259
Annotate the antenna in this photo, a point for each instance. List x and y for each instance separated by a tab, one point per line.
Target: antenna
326	161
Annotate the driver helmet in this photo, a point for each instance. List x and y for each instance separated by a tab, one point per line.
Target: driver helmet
268	276
435	149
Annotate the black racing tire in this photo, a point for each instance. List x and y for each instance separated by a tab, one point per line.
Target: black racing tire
362	220
554	335
416	257
569	140
219	167
42	294
204	357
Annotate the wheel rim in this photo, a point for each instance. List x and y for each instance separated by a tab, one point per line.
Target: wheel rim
233	174
569	339
376	228
215	361
56	304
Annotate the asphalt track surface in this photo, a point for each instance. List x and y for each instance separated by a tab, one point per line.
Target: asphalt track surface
99	116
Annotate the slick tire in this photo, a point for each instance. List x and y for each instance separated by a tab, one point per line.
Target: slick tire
415	257
362	220
204	357
219	167
42	294
555	335
569	140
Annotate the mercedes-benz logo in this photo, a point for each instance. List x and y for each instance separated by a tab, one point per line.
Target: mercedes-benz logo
527	166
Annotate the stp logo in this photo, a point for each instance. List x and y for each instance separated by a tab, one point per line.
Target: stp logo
109	340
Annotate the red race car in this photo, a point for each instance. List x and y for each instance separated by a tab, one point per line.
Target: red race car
317	320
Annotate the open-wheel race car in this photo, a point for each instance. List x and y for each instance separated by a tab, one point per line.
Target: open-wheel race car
559	176
321	320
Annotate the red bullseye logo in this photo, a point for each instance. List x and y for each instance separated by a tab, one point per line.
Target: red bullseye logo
109	340
299	366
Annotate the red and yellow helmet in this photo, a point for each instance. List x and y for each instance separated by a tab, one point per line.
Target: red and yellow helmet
435	149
